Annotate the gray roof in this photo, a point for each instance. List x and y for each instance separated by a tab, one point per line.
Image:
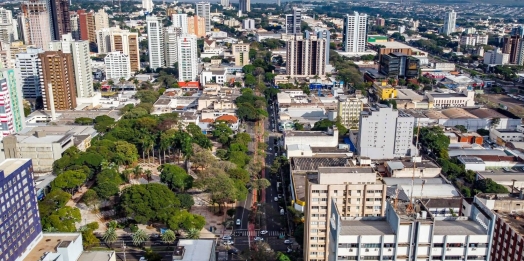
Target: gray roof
395	165
474	152
456	227
371	227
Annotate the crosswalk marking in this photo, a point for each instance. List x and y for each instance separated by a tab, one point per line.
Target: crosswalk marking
256	233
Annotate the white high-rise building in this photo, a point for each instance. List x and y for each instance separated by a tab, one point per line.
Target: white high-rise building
115	39
6	26
248	24
306	56
244	6
81	63
118	66
385	133
180	20
355	32
224	3
30	68
101	20
171	35
203	9
449	23
148	5
293	22
155	41
187	58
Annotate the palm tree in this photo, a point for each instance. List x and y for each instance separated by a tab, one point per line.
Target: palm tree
135	82
168	237
110	236
193	233
137	172
139	237
149	175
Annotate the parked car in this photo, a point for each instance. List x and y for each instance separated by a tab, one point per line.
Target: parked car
257	239
228	242
227	237
238	222
263	232
288	242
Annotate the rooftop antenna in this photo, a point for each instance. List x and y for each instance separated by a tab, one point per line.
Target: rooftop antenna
410	206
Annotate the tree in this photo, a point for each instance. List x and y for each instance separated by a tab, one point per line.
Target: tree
282	257
231	212
221	187
175	177
110	236
149	202
168	237
89	240
193	233
90	198
185	220
489	186
260	184
461	128
493	123
139	237
69	180
84	121
434	140
186	201
222	132
152	256
260	252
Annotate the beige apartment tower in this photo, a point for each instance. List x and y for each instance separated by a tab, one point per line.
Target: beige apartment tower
356	190
115	39
196	25
57	69
349	109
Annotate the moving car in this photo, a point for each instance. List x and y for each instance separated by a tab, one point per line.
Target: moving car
288	242
238	222
275	199
226	237
228	242
263	232
258	239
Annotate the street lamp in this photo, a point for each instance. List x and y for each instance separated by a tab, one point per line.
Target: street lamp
124	246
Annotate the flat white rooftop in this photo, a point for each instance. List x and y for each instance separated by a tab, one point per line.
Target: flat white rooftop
197	250
456	227
10	165
369	227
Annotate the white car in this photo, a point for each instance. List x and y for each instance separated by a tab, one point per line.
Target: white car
142	259
238	222
263	232
288	242
226	238
259	239
279	195
228	242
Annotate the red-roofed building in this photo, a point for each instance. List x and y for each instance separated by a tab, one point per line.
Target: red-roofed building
232	121
189	86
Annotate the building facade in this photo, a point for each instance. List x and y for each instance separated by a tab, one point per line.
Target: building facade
244	6
349	109
248	24
496	57
325	34
118	66
30	67
155	42
115	39
180	20
354	32
81	63
171	35
398	65
12	107
385	133
187	58
293	22
58	71
101	20
196	25
449	23
513	46
86	24
203	9
306	56
148	5
59	18
20	227
7	30
36	29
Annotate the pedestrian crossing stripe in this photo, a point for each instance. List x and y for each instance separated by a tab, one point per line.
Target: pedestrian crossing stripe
245	233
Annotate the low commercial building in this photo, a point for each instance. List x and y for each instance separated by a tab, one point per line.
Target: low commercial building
214	76
473	119
464	98
195	250
410	168
385	91
58	246
502	136
327	138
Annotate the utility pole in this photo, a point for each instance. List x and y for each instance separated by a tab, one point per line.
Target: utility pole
124	246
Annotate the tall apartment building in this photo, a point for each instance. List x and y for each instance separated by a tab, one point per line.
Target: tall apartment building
411	232
248	24
6	26
399	65
355	190
496	57
35	25
293	22
380	22
21	228
241	53
196	25
171	35
12	117
450	22
513	46
59	18
115	39
75	26
180	20
5	56
224	3
203	9
385	133
101	20
187	58
118	66
148	5
57	70
306	56
155	41
86	22
81	63
244	6
349	109
325	34
30	68
473	39
518	30
354	32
